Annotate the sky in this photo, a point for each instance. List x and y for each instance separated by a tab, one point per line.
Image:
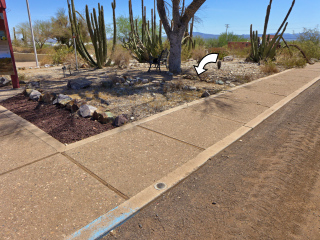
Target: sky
214	14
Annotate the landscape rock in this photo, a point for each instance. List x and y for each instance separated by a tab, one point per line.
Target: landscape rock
33	85
84	65
87	110
78	84
220	82
4	81
232	85
192	88
47	97
107	83
74	104
144	81
27	92
228	58
205	94
35	95
120	120
62	100
103	117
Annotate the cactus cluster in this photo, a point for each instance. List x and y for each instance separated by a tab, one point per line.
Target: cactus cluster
97	31
267	49
150	42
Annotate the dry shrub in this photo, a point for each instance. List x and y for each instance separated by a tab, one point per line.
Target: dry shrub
269	67
290	60
22	49
121	56
46	60
240	52
243	78
198	53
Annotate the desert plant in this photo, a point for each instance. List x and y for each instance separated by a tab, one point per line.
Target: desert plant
121	56
97	31
198	53
267	48
149	43
290	58
269	67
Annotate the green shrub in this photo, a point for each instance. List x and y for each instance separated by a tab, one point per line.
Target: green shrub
60	54
311	49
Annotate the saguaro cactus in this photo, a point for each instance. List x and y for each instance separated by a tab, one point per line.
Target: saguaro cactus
267	49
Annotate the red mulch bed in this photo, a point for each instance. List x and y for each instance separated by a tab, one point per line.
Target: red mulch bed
58	122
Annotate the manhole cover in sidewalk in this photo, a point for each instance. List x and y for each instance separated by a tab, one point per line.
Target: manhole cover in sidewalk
160	186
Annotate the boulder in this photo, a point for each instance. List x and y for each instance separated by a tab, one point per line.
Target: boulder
4	82
228	58
192	88
120	120
87	110
107	83
205	94
33	85
35	95
78	84
47	97
62	100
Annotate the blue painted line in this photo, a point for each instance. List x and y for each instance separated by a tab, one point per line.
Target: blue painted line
98	228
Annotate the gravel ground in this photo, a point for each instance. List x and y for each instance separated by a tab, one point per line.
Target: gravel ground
142	100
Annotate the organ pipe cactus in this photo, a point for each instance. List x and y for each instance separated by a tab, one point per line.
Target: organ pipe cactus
113	5
267	48
97	31
75	28
149	43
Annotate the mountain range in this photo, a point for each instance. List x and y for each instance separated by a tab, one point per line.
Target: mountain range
286	36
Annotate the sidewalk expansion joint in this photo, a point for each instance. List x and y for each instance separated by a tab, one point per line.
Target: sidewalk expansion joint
38	160
118	192
201	148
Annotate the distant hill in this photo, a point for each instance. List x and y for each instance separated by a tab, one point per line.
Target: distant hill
287	36
206	35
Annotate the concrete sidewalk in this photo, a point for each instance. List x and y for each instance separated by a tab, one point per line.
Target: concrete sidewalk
82	190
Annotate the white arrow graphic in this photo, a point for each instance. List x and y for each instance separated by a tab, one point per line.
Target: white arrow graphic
212	57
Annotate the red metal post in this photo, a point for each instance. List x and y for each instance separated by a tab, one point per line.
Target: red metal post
14	78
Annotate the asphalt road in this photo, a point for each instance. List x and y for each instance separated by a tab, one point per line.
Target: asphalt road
264	186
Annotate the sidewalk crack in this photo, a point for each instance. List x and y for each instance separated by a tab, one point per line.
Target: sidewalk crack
112	188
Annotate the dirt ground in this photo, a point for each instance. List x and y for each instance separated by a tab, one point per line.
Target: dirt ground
59	123
264	186
142	100
163	91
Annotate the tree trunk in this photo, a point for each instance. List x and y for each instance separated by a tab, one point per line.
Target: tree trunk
175	52
176	30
